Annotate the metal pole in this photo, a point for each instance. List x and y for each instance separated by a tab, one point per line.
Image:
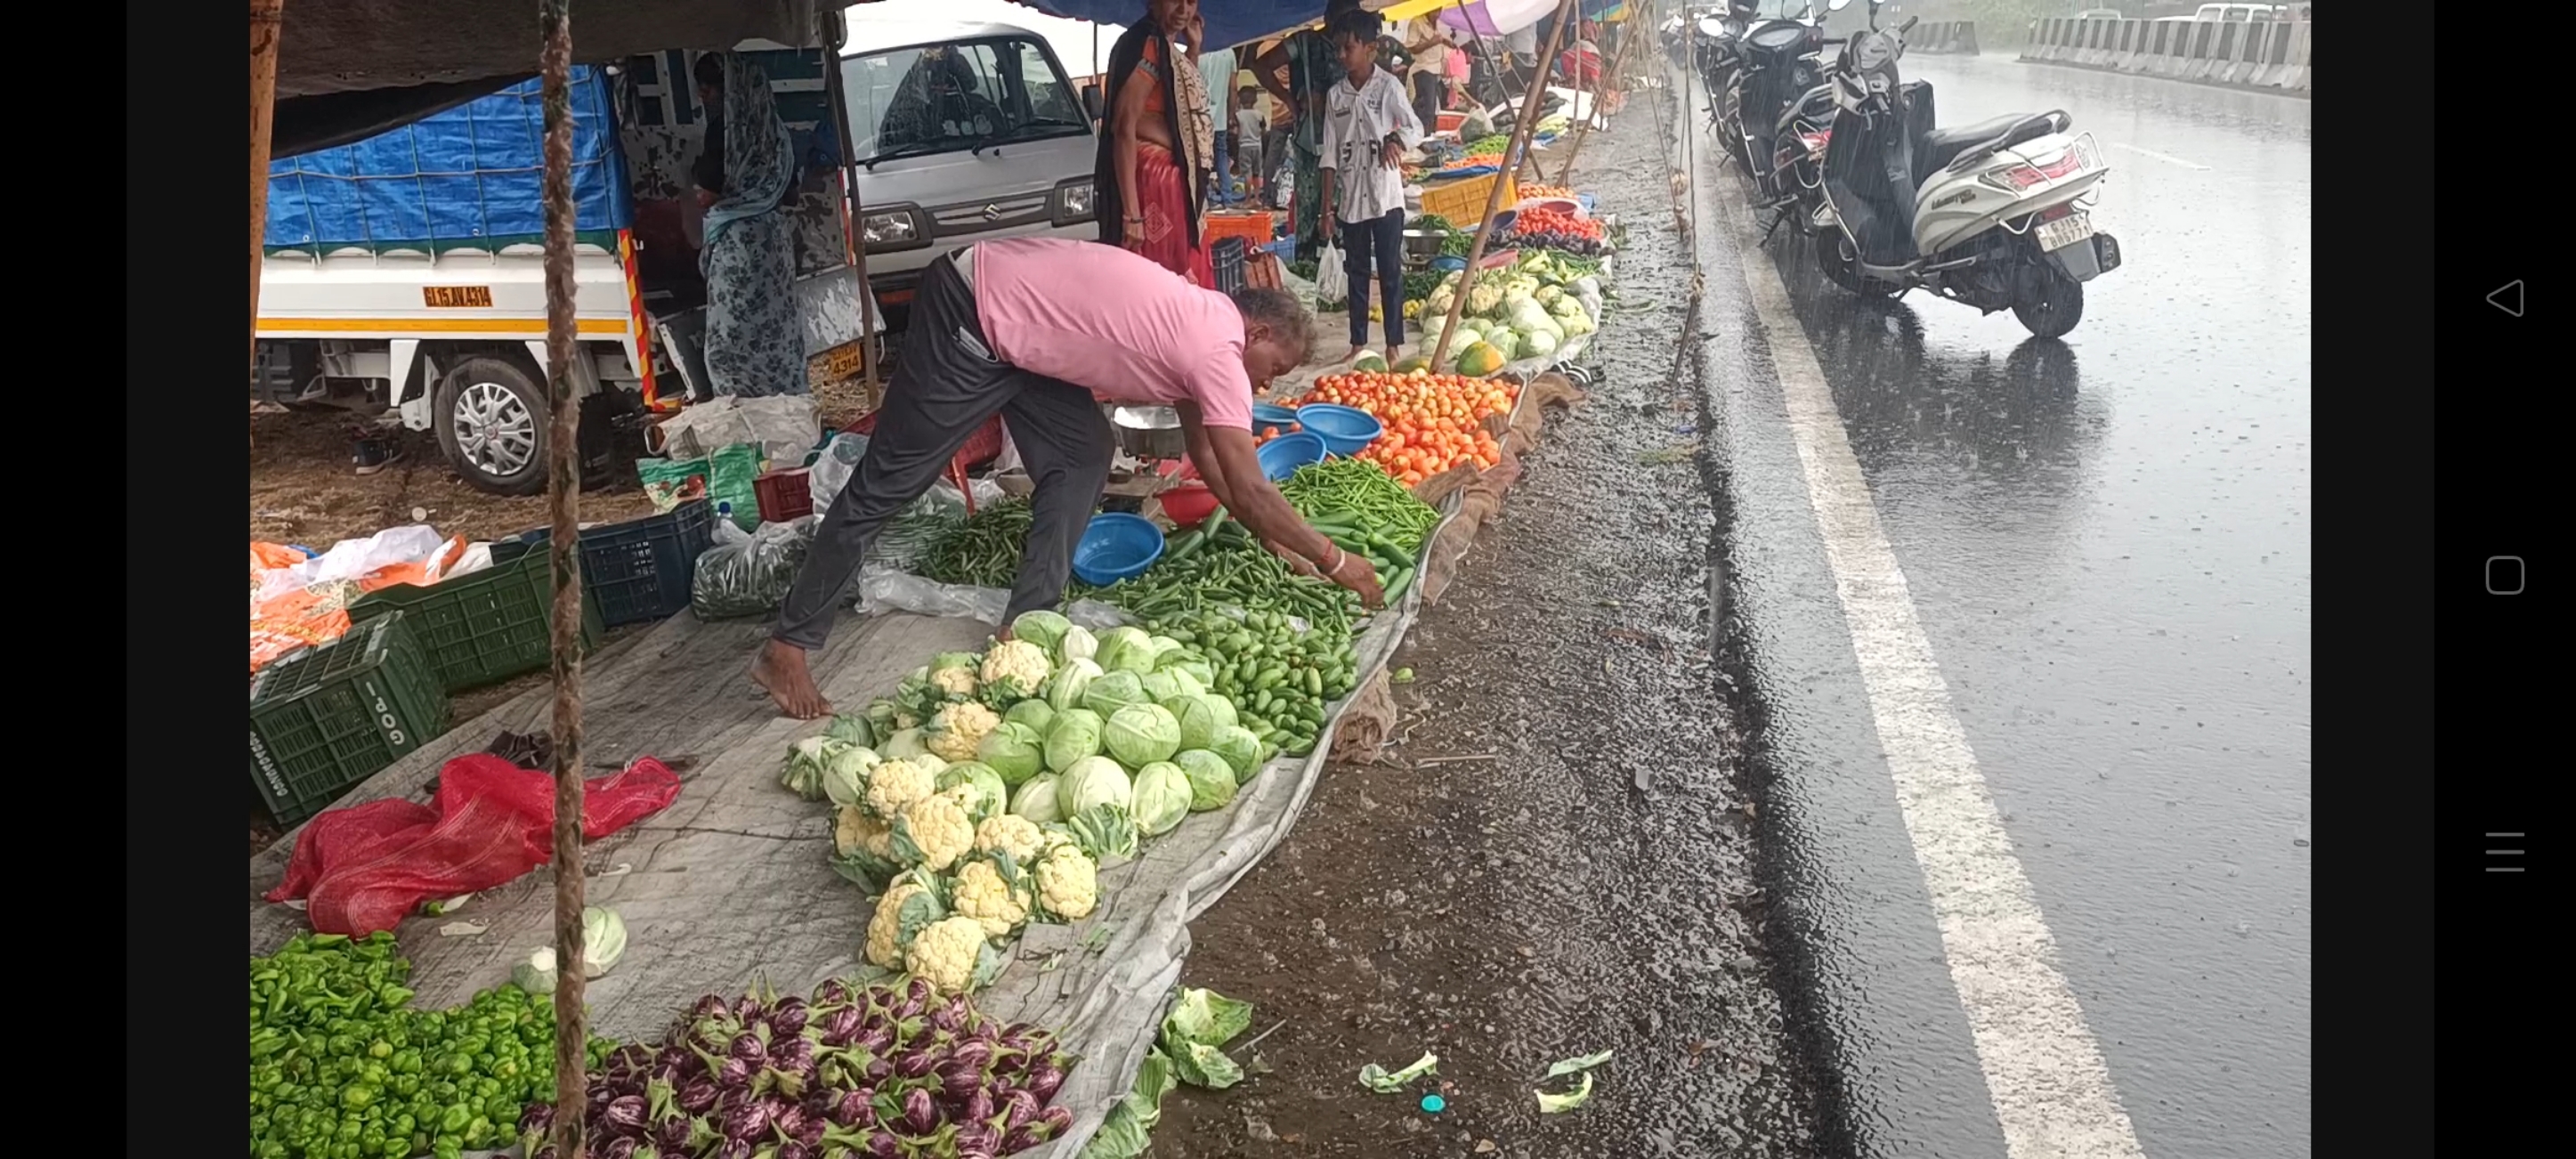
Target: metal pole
563	502
1494	196
264	20
853	244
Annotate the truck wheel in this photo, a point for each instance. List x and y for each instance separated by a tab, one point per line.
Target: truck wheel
491	418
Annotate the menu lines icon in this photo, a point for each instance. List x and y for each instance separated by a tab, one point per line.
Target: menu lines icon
2504	853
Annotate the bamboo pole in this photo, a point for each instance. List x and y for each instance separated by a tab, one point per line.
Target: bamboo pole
563	502
1521	128
265	18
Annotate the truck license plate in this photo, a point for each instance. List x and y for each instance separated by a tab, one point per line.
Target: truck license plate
842	361
456	297
2065	231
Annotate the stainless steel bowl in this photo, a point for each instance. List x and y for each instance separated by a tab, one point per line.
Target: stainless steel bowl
1149	432
1422	245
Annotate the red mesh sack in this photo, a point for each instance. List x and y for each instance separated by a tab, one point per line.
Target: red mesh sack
361	869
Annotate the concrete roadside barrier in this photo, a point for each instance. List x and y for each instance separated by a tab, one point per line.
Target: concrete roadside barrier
2260	54
1943	38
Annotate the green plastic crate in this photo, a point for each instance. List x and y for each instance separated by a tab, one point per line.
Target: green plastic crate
487	626
327	717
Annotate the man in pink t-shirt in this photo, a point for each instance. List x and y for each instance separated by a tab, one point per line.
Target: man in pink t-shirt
1042	331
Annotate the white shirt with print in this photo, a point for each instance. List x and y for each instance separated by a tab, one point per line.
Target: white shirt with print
1356	121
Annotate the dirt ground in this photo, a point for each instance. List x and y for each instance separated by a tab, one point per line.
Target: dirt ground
305	490
1558	858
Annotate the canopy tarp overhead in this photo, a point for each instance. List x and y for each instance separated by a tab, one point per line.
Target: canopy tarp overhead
349	69
1229	22
1496	17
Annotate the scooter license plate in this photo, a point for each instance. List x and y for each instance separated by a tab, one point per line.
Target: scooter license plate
2065	231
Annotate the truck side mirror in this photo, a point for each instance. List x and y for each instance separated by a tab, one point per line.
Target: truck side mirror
1091	100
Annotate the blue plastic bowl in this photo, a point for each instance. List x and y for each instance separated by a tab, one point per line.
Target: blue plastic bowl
1344	429
1448	264
1115	547
1280	457
1266	416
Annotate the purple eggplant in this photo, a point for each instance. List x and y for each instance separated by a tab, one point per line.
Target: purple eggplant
796	1150
617	1149
624	1116
748	1119
672	1136
734	1074
1020	1108
790	1120
959	1083
920	1112
748	1009
913	1064
876	1039
852	1108
977	1141
711	1006
732	1149
881	1145
978	1107
788	1018
699	1097
546	1152
538	1119
1044	1079
1055	1120
978	1055
748	1047
948	1018
841	1027
878	1071
794	1055
833	992
1019	1139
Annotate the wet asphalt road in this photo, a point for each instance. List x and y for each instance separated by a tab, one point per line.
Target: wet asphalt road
2105	543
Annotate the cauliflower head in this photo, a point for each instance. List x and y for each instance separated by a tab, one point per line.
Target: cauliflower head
956	730
947	953
1015	670
1010	833
894	785
955	682
933	831
856	832
885	928
1068	883
982	893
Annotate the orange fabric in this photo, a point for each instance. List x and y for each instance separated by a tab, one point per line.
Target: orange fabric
1166	203
1157	97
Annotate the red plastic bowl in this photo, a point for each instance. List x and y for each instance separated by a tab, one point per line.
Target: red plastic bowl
1188	506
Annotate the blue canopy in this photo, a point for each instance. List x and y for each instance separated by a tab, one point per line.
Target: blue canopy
1230	23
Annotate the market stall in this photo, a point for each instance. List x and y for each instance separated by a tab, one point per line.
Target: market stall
963	903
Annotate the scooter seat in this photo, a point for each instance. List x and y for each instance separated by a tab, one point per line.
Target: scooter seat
1942	146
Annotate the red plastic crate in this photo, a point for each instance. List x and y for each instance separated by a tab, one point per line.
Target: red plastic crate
982	447
1254	228
783	495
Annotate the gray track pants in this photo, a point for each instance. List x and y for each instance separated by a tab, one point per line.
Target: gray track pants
946	385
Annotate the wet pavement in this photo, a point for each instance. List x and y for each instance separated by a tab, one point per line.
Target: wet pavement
1561	860
2104	541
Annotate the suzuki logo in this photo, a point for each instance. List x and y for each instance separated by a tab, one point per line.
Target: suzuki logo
992	213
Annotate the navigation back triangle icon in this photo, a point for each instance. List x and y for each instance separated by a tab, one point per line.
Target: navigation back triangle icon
2508	299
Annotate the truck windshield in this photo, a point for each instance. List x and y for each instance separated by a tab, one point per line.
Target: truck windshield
960	95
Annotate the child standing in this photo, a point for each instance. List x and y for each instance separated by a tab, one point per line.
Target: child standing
1250	126
1368	124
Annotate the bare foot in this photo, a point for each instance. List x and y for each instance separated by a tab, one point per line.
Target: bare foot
1394	354
780	671
1355	353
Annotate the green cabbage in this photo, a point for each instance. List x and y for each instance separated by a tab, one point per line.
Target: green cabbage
1091	782
990	793
603	940
1114	691
1160	685
1141	734
852	730
1198	718
1225	712
1042	628
1127	649
1187	661
905	744
1036	800
1015	751
1065	688
1240	748
1211	779
1033	712
1078	644
1076	735
1162	796
845	773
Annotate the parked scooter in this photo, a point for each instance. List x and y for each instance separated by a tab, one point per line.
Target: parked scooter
1781	60
1798	145
1716	53
1993	214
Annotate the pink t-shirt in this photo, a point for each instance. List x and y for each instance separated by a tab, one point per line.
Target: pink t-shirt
1113	323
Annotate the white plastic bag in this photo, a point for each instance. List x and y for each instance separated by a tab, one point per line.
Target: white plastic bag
833	470
1332	283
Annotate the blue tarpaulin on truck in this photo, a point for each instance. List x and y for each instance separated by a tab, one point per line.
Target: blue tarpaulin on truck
470	175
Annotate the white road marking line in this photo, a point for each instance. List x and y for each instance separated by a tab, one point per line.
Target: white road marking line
2167	158
2044	1072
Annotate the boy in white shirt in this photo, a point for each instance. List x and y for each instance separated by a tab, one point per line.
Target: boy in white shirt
1251	124
1368	125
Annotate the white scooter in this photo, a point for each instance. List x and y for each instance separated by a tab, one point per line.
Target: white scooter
1993	214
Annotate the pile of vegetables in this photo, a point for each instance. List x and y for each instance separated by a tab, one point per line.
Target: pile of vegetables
1525	311
983	550
1489	146
1219	565
998	783
1557	230
1352	494
1273	679
1433	421
341	1066
859	1070
1529	191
